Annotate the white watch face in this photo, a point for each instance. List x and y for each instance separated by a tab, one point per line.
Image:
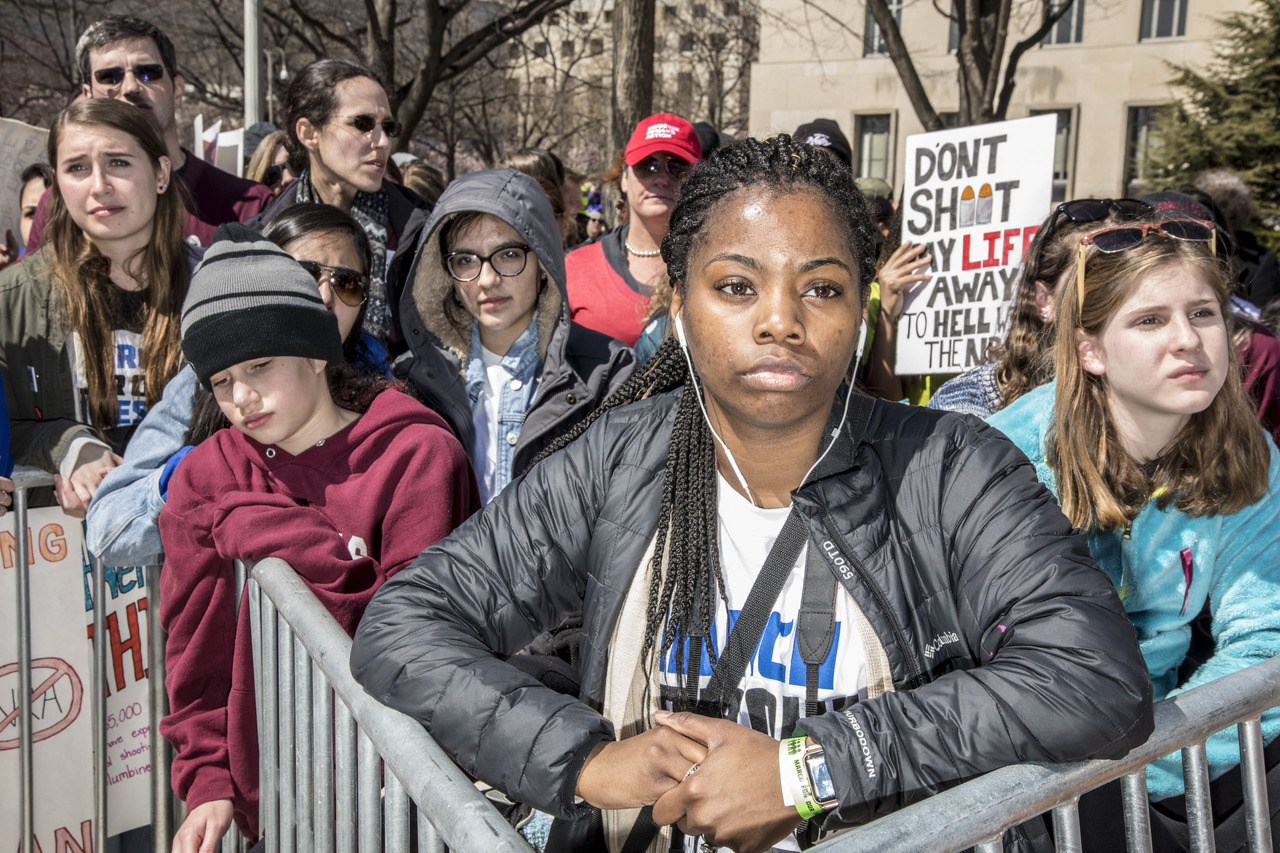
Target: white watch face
823	790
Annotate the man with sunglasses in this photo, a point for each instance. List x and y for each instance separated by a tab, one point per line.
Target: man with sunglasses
611	281
131	60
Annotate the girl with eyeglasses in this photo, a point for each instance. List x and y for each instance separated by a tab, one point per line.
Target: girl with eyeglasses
493	348
1152	447
613	282
339	129
122	523
344	477
89	323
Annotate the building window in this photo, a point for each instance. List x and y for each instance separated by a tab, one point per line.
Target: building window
1070	27
874	152
873	41
566	49
581	18
950	121
684	85
731	8
1163	19
686	42
595	46
608	16
699	10
953	32
1142	150
1061	152
669	13
540	49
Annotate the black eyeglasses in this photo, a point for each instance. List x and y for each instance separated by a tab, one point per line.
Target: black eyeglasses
1096	210
507	262
648	167
274	175
115	76
346	284
366	123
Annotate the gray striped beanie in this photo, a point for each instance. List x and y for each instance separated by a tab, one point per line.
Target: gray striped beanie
250	299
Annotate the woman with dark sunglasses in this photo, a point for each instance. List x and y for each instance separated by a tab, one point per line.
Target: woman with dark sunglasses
493	349
124	516
1152	447
339	129
1018	364
612	283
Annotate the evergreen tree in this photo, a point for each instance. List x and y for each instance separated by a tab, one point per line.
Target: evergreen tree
1229	114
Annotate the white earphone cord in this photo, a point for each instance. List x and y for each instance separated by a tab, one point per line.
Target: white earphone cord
733	463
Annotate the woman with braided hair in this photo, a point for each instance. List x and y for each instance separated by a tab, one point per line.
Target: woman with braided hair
801	608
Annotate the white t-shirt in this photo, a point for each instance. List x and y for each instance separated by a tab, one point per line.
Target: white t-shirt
771	695
485	423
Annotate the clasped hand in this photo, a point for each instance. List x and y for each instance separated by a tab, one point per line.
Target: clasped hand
733	799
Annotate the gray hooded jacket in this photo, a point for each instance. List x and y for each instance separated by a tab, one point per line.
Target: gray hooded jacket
580	367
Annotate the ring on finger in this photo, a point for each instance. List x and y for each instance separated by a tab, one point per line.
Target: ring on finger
689	772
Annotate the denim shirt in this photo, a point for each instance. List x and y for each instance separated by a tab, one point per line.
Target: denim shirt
514	399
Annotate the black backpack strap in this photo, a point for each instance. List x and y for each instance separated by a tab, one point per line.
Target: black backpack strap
744	637
816	627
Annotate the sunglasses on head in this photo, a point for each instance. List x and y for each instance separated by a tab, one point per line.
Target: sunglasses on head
346	284
366	123
1109	241
648	167
115	76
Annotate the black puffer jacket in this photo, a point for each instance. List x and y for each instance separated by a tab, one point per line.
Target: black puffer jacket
579	367
1005	641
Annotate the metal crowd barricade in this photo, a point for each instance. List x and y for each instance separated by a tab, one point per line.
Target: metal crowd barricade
977	813
24	480
323	742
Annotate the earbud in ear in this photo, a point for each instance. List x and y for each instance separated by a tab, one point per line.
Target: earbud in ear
679	326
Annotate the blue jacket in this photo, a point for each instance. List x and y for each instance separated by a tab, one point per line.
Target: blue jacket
1233	562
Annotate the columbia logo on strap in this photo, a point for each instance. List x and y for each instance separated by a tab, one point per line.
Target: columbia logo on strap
661	131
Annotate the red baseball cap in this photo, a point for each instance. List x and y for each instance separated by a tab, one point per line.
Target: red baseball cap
665	132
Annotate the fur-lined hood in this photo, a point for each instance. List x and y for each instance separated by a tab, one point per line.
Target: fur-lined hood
517	200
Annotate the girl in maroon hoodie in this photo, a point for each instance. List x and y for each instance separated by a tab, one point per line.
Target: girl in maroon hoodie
346	480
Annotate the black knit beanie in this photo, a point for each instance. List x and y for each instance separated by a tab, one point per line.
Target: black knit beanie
250	299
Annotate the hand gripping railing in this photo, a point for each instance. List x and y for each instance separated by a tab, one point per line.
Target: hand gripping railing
25	479
321	783
977	813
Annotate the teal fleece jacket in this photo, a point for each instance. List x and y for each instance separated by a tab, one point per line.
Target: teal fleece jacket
1233	562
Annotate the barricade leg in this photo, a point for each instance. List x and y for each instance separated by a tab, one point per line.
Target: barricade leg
1137	817
287	702
99	706
26	794
268	744
369	794
345	762
1066	827
322	758
161	751
1195	773
302	772
1252	765
396	803
428	838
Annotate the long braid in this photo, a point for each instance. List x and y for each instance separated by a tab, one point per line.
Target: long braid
686	585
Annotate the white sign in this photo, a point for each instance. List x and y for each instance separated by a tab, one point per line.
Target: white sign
976	197
20	146
61	650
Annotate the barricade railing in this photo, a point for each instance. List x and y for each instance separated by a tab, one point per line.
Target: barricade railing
977	813
323	743
24	480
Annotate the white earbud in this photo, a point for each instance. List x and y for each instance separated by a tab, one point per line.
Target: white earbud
679	330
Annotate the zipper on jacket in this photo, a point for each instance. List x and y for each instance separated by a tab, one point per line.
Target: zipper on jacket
913	672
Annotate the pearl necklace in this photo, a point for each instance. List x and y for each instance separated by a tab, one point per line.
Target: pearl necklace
652	254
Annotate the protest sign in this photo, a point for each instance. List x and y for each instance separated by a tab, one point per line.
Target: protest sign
61	606
61	728
975	196
20	146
